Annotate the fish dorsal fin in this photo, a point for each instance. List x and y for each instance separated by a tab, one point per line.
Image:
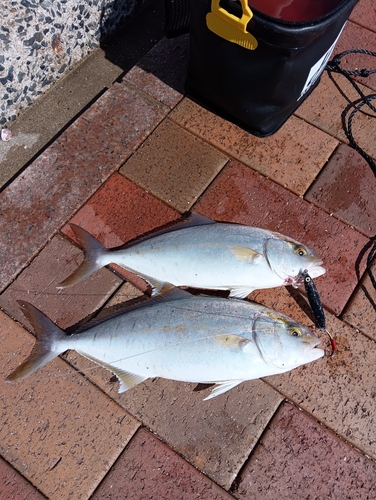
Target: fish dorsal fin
196	219
192	219
127	380
231	341
223	387
168	293
246	254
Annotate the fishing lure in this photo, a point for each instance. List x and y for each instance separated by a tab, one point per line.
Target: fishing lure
316	306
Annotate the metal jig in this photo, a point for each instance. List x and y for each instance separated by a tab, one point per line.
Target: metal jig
316	306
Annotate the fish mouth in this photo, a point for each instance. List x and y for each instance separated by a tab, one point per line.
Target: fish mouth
312	351
317	269
312	348
315	343
317	352
314	271
311	340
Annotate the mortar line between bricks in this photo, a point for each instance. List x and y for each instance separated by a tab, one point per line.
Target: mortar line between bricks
357	329
300	407
366	28
74	211
363	26
332	155
238	157
172	450
168	118
17	472
233	486
204	139
147	97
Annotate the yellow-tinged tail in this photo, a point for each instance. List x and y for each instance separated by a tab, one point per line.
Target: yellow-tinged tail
46	347
92	251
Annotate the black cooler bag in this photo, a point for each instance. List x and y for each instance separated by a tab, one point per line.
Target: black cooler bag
255	70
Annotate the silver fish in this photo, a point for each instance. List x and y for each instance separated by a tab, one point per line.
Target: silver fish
181	337
201	253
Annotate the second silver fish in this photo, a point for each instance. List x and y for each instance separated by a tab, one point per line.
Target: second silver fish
204	254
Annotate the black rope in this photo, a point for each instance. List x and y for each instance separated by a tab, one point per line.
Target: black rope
369	260
334	66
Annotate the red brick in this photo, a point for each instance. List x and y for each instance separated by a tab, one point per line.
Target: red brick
174	165
355	36
364	14
215	436
298	458
360	312
292	157
68	172
161	73
148	469
37	284
58	430
346	188
338	391
119	212
325	106
14	486
241	195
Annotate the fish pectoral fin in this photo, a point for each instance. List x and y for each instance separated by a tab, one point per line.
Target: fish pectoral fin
223	387
240	292
231	341
246	254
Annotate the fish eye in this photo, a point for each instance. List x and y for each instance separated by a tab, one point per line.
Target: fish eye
295	332
300	251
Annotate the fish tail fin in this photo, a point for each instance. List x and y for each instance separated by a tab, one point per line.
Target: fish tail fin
93	257
46	347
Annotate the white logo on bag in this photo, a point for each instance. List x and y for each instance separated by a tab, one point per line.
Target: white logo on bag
318	68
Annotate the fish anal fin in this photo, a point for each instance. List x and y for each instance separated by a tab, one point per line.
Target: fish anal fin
223	387
231	341
246	254
127	379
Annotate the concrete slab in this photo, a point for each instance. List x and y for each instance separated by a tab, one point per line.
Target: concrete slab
42	122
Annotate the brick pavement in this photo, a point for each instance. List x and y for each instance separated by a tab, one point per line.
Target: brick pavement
132	162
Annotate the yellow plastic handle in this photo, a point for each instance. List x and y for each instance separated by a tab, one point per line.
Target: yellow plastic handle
241	23
230	27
